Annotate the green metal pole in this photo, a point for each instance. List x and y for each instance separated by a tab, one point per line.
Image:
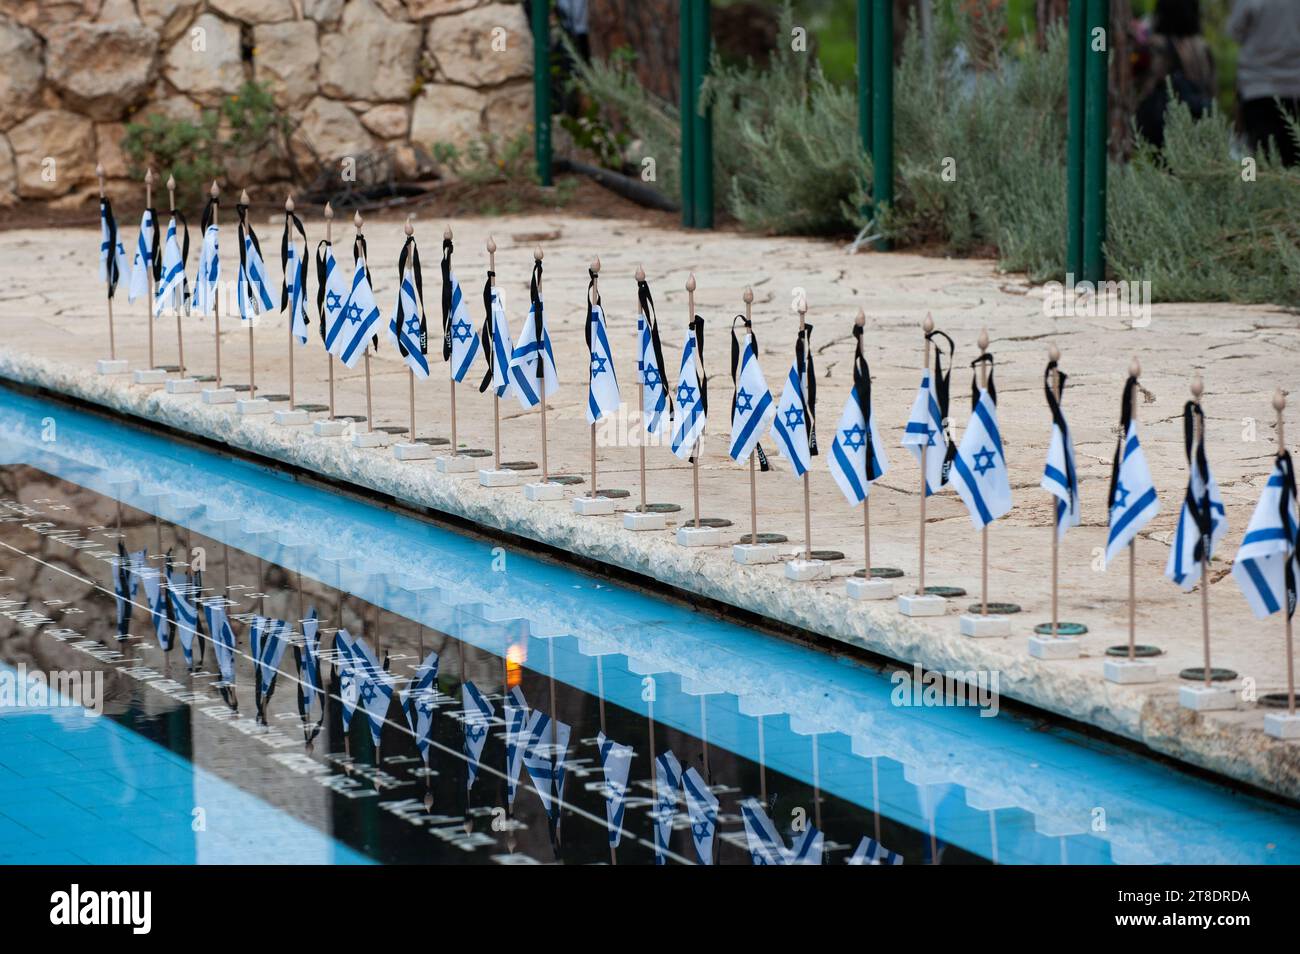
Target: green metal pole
882	107
685	52
1074	144
864	74
541	10
1096	120
702	139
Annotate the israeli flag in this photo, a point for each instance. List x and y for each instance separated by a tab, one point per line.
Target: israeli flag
849	452
545	748
180	589
668	782
925	428
112	255
223	641
1266	565
1184	566
501	347
1061	479
295	286
702	806
156	597
872	852
524	361
374	687
616	762
206	285
266	637
766	847
516	714
478	715
752	411
464	342
602	388
349	680
419	702
407	331
1133	500
979	471
791	424
690	414
351	330
307	656
655	410
170	293
125	584
250	288
142	261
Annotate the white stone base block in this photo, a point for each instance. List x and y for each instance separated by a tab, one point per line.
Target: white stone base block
498	478
1207	699
111	366
1046	647
150	376
1282	726
981	626
913	604
754	554
804	571
593	506
219	396
644	521
251	407
543	490
1130	672
699	536
292	418
416	451
860	588
330	427
372	439
182	386
457	464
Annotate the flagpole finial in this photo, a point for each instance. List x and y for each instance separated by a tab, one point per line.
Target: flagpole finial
243	197
288	203
861	319
1197	388
640	273
537	254
329	211
1135	368
214	191
690	282
446	233
1054	353
595	265
491	245
1279	401
357	220
409	228
99	174
748	295
148	176
928	325
984	340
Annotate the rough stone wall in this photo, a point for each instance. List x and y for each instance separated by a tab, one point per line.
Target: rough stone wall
387	76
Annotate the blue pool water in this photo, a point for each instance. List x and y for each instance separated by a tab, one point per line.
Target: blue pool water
815	738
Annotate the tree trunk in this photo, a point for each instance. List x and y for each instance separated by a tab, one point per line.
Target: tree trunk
648	28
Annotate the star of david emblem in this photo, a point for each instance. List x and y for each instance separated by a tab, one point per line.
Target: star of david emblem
652	378
983	461
793	416
353	311
855	438
1121	496
425	706
413	326
368	692
929	436
461	330
332	301
744	401
598	364
700	830
474	733
685	394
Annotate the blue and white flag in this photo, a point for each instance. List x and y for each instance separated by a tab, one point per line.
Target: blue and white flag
1266	565
1132	501
223	640
979	471
126	582
515	710
766	847
498	343
266	638
207	283
156	596
170	295
349	334
1203	520
857	453
1060	478
408	329
602	385
752	411
306	655
927	424
791	423
293	291
374	687
331	291
872	852
692	394
181	590
142	261
112	255
668	782
346	671
460	343
477	717
532	363
252	289
702	806
545	749
419	702
615	762
656	405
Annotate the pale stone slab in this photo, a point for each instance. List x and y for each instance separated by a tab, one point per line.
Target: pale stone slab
219	396
372	439
756	554
699	536
593	506
498	478
910	604
542	491
1207	698
806	571
638	522
108	366
149	376
1282	726
456	464
416	451
980	626
292	418
1045	647
331	427
252	407
182	386
1130	672
858	588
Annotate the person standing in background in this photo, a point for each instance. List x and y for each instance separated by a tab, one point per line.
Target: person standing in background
1268	72
1181	62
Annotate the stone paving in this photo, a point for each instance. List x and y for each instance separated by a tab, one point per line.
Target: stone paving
54	327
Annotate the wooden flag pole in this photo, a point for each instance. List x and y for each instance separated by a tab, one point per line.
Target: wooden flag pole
984	531
640	392
216	298
496	400
541	377
252	356
288	211
1054	354
591	303
1134	370
927	327
695	457
370	413
329	358
807	491
108	276
180	327
451	380
148	204
748	297
410	372
861	322
1198	440
1279	405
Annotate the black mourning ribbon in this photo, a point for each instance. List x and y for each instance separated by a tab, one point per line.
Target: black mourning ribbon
242	209
1058	418
985	358
535	297
447	249
312	677
647	305
122	582
110	269
862	387
941	396
1125	419
411	254
486	334
696	328
322	251
593	302
359	253
1195	451
209	215
292	221
803	359
155	251
1286	505
763	465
